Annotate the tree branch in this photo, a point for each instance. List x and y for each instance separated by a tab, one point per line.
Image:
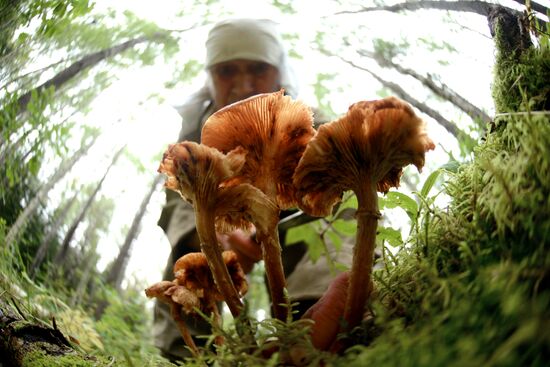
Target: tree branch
469	6
401	93
80	65
477	7
441	89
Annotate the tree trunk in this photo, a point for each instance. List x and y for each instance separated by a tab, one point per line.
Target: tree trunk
45	245
62	253
82	64
41	195
90	262
117	270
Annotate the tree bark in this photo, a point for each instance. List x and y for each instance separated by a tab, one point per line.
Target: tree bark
62	253
41	195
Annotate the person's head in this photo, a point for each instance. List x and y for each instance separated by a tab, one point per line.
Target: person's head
245	57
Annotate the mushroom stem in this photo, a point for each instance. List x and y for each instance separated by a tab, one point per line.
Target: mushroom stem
271	249
175	310
213	253
363	254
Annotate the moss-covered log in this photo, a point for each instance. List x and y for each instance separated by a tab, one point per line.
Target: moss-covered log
26	343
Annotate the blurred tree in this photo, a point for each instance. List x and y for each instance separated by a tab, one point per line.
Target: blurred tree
63	250
117	269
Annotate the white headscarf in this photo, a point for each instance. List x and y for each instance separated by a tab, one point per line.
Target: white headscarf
250	39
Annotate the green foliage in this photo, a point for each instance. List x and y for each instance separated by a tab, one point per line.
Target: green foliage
387	51
125	329
285	6
185	73
521	76
322	94
269	342
52	14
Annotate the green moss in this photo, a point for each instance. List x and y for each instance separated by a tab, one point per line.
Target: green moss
41	359
521	71
522	84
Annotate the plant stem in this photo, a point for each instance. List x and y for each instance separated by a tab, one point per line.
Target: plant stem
213	253
271	249
175	310
363	254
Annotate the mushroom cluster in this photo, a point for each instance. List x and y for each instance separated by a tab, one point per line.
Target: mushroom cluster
262	154
193	289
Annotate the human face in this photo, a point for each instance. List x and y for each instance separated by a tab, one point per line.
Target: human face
239	79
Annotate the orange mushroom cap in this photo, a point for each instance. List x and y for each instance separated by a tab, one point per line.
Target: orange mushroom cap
199	172
193	273
195	171
170	292
274	130
374	140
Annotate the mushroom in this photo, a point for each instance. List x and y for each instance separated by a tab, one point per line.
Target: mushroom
274	130
194	289
207	179
193	273
179	299
363	151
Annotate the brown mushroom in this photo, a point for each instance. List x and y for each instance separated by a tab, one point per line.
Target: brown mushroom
192	272
179	299
206	178
194	289
363	151
274	130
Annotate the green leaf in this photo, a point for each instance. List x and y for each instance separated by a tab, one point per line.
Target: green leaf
309	234
395	199
335	239
429	183
451	166
390	235
346	227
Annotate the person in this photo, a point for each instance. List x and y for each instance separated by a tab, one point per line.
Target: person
244	57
